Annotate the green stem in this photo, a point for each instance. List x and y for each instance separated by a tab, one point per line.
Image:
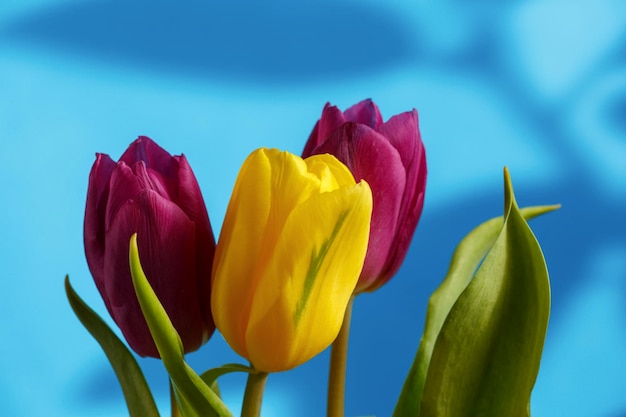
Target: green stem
338	360
175	409
253	397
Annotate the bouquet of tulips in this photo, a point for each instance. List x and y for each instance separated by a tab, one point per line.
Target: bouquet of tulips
302	237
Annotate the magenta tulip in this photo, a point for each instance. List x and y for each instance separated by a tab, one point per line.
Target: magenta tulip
390	156
156	195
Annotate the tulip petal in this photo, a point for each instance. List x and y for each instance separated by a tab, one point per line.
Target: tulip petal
188	196
124	186
155	168
331	119
238	249
151	179
332	173
286	223
149	188
366	112
146	150
403	133
301	298
95	208
189	199
369	155
269	185
398	178
314	140
166	240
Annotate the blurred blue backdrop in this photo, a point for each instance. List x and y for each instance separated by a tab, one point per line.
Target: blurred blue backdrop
539	86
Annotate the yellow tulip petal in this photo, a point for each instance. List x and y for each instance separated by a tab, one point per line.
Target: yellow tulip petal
301	298
289	255
238	250
269	185
331	172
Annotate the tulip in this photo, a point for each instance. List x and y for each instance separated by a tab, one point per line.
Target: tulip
289	256
153	194
390	156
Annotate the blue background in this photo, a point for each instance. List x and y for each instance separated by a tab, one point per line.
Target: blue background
539	86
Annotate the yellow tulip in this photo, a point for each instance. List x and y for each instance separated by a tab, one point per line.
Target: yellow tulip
289	256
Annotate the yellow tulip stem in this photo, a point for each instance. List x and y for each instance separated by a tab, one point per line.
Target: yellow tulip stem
338	361
253	397
175	409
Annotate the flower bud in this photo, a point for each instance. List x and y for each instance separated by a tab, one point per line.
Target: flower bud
288	257
390	156
153	194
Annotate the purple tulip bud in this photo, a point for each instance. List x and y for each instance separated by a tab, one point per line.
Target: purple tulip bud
390	156
156	195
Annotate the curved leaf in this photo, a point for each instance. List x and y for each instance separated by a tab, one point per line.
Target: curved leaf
194	396
210	376
487	354
466	258
138	397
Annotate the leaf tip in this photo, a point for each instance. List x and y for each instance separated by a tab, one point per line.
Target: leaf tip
509	196
69	291
133	242
133	257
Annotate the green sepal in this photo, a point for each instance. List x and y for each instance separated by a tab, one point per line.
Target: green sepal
138	397
194	396
466	258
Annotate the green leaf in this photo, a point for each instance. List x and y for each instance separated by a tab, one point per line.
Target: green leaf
466	258
210	376
194	396
136	391
487	354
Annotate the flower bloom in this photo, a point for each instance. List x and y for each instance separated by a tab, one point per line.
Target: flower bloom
156	195
289	256
390	156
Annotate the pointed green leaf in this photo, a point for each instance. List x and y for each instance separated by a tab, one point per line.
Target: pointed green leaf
195	397
486	356
466	258
136	391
